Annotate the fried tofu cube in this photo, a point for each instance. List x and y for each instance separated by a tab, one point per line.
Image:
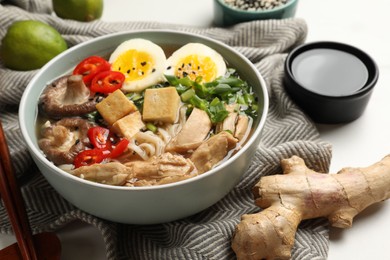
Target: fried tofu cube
161	104
115	106
129	125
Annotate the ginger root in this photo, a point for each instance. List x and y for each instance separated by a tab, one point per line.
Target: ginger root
301	193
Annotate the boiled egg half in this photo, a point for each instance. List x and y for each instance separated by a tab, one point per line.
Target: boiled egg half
141	61
196	59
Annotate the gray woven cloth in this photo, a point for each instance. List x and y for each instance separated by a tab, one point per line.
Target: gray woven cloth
206	235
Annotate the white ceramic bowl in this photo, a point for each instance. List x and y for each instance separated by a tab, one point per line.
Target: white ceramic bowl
141	205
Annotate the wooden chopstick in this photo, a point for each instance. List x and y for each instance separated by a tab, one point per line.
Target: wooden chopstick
13	201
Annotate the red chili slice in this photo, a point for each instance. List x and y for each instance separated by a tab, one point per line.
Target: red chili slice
98	136
88	157
119	148
107	81
90	67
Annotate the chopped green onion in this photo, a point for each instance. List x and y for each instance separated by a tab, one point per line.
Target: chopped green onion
213	96
200	90
221	89
134	96
255	107
228	131
217	111
137	98
199	79
241	100
181	89
186	96
232	81
93	116
186	81
151	127
211	84
249	98
215	102
174	81
198	102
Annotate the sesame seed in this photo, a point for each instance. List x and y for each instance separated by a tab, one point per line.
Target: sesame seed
255	5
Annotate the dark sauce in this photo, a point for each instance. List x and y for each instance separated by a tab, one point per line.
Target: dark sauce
329	72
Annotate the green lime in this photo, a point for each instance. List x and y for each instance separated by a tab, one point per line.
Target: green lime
80	10
29	45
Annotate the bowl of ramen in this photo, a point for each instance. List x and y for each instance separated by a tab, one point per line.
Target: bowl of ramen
144	127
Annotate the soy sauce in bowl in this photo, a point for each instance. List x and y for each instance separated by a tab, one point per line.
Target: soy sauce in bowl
332	82
329	72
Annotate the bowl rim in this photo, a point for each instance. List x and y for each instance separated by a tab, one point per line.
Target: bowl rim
364	57
267	11
40	156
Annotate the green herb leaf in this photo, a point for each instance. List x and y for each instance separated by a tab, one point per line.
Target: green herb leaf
217	111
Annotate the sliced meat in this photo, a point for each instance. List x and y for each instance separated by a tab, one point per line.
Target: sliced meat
241	127
166	168
67	96
112	173
211	152
63	140
229	123
194	131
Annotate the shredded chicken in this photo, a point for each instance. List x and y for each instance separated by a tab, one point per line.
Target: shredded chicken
194	131
242	127
113	173
162	169
229	123
211	152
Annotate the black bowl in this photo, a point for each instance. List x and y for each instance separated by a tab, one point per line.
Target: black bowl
332	82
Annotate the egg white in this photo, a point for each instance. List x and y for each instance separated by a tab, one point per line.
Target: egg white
193	55
141	61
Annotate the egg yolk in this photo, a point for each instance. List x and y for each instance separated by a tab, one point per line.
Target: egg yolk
193	66
134	64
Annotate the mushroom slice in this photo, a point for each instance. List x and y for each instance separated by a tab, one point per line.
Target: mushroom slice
67	96
63	140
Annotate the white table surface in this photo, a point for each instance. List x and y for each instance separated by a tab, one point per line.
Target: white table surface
364	24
